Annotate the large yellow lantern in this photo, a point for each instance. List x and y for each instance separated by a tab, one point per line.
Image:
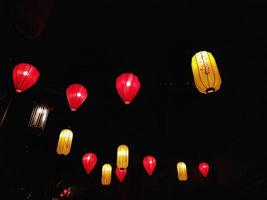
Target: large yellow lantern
206	74
64	142
106	174
182	172
122	157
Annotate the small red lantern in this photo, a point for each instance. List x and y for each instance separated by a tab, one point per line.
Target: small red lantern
127	85
89	160
149	163
121	173
24	76
76	95
204	168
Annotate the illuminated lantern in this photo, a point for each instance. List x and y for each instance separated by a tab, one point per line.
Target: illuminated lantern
121	173
206	74
122	157
89	160
149	163
24	76
203	168
106	174
39	116
64	142
182	172
127	85
76	95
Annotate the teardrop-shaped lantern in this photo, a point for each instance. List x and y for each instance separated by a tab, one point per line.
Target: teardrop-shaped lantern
122	157
39	116
182	172
149	163
127	85
121	173
106	174
76	95
24	76
203	168
64	142
89	160
206	74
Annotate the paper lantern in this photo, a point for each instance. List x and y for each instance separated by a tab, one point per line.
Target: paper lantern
149	163
24	76
127	85
39	116
203	168
64	142
206	74
181	170
76	95
89	160
121	173
106	174
122	157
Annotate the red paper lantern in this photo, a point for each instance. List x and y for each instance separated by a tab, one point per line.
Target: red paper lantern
204	168
120	173
149	163
127	85
24	76
76	95
89	160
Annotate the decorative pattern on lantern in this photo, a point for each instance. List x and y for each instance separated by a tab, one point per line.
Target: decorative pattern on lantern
203	168
39	116
149	163
76	95
89	160
106	174
121	173
206	74
24	76
182	172
64	142
127	85
122	157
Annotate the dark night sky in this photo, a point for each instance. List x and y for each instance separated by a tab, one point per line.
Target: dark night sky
94	43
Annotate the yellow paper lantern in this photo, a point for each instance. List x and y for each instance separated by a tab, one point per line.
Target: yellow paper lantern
64	142
39	116
182	172
106	174
122	157
206	74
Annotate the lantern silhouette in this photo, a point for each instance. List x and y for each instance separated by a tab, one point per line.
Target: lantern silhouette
89	160
64	142
149	163
121	173
76	95
203	168
206	74
122	157
106	174
127	85
182	172
24	76
39	116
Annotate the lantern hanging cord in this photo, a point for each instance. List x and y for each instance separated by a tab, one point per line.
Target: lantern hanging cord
4	116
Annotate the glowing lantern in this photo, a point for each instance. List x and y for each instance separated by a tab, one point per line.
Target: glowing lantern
127	85
149	163
24	76
76	95
64	142
206	74
121	173
122	157
204	169
181	170
39	116
106	174
89	160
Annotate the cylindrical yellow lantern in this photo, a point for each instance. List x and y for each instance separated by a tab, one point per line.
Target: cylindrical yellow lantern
206	74
122	157
182	172
106	174
64	142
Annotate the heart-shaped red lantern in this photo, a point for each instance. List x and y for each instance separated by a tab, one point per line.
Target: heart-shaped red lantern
204	169
76	95
89	160
121	173
149	163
